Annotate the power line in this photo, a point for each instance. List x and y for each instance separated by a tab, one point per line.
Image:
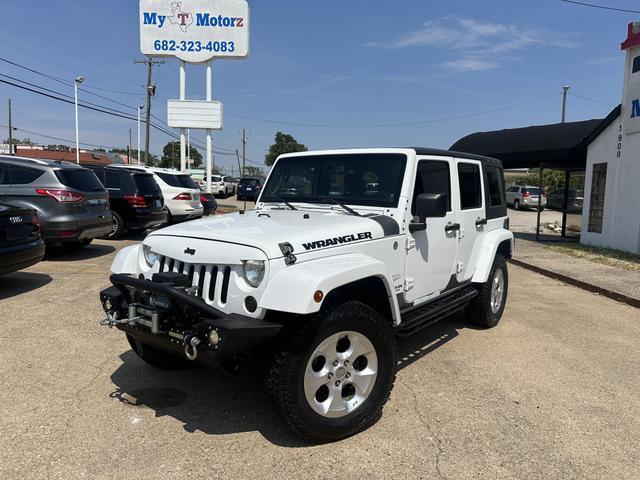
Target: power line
602	7
591	100
31	132
404	124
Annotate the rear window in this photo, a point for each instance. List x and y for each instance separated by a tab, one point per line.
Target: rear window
494	185
249	182
184	181
145	183
216	179
532	191
83	180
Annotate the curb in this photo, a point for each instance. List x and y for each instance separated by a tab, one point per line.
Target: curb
620	297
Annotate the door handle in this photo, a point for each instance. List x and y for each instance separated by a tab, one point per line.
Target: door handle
481	221
452	227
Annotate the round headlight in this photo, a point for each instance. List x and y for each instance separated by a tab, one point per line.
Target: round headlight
150	256
253	271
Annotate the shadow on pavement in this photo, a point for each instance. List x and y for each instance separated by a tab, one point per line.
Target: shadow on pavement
57	253
203	399
18	283
545	237
214	402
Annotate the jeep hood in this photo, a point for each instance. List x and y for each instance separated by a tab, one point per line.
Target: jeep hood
306	231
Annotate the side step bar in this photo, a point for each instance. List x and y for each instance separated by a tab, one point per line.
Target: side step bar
421	317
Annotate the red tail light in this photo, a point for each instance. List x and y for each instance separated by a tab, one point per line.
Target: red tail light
222	184
526	194
203	198
62	196
35	220
183	196
136	200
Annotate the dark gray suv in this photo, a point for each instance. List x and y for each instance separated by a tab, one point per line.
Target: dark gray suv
71	203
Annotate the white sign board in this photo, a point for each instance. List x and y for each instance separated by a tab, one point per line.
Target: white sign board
194	30
5	149
194	114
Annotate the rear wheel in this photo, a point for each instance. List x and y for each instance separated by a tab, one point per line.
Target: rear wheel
487	307
117	229
337	374
516	205
156	357
169	220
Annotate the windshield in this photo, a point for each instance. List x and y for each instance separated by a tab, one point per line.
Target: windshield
356	179
176	180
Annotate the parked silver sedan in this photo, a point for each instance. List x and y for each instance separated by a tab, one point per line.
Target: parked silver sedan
525	197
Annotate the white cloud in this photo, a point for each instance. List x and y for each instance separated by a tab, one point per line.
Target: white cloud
478	45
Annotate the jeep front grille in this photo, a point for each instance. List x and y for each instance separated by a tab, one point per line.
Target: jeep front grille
212	280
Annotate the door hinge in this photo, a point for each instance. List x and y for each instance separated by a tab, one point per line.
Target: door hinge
409	282
461	233
409	243
459	267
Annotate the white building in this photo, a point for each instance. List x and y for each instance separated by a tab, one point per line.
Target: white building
611	214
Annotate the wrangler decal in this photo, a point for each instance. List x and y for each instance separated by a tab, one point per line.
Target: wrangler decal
329	242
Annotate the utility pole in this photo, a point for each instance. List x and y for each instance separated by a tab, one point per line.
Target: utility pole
151	91
565	89
10	132
140	107
239	167
244	149
129	149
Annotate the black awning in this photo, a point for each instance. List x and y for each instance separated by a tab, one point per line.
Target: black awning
559	145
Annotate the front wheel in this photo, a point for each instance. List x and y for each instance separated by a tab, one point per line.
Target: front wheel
337	374
487	307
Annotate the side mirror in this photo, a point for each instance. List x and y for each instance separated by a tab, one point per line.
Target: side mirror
429	205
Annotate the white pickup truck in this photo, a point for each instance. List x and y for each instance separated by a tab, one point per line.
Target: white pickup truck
345	250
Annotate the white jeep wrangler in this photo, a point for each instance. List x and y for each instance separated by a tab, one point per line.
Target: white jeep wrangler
345	250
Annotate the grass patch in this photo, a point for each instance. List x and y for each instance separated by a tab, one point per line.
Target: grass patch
606	256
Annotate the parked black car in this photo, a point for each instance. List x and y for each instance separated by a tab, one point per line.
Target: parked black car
20	243
71	204
249	188
209	203
134	197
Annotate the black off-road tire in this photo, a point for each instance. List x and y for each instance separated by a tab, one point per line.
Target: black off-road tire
285	382
479	311
156	357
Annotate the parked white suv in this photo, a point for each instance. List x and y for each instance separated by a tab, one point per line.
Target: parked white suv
223	185
181	194
345	250
526	196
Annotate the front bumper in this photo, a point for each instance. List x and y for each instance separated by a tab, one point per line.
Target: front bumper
165	315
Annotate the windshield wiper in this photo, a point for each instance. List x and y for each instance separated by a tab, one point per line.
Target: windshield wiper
337	202
282	200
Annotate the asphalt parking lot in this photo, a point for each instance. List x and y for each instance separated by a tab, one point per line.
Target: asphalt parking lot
552	392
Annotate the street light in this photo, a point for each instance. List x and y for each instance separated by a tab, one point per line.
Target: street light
78	80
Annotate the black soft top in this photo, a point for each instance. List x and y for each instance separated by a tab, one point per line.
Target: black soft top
452	153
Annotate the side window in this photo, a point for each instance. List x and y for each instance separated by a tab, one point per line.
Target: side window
24	175
113	180
4	174
470	186
433	176
494	187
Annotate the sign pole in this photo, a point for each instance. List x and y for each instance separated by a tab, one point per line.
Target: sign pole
209	163
183	140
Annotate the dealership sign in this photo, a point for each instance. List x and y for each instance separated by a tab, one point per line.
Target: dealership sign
194	30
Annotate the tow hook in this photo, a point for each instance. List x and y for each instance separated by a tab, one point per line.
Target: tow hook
191	348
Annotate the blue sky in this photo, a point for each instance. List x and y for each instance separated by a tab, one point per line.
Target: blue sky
342	64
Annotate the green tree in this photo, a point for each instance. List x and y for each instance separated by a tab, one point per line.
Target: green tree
171	156
284	143
553	179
